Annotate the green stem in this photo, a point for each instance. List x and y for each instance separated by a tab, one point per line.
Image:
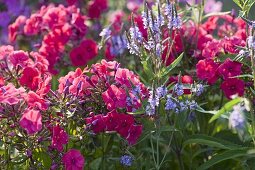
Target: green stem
180	160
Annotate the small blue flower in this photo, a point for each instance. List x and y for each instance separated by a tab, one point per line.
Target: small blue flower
161	91
170	104
149	110
126	160
135	34
183	106
119	44
133	48
149	45
199	89
174	22
236	118
158	50
145	20
251	42
136	90
193	105
178	89
106	32
169	10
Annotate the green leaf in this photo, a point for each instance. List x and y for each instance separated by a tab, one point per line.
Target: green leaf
238	3
243	76
230	154
95	164
227	107
172	65
147	69
43	157
216	14
253	91
211	141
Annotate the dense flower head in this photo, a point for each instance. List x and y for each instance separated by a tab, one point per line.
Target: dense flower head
123	124
73	159
126	160
59	25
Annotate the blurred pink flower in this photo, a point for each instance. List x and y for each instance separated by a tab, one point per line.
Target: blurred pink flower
212	6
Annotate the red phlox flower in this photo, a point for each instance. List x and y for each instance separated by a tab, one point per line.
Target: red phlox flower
86	51
125	121
31	121
77	57
33	24
52	55
44	85
96	7
69	77
96	123
30	78
126	77
207	70
78	21
114	97
230	68
105	68
55	16
116	19
41	63
58	37
211	24
230	44
134	133
112	120
212	49
14	28
71	2
73	160
2	82
233	86
59	138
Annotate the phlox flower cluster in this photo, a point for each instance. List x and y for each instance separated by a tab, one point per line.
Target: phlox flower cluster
57	26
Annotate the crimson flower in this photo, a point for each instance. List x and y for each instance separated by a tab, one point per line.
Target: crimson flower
59	138
233	86
73	160
30	78
230	68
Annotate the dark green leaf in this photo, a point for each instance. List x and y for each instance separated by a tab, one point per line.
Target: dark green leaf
172	65
230	154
